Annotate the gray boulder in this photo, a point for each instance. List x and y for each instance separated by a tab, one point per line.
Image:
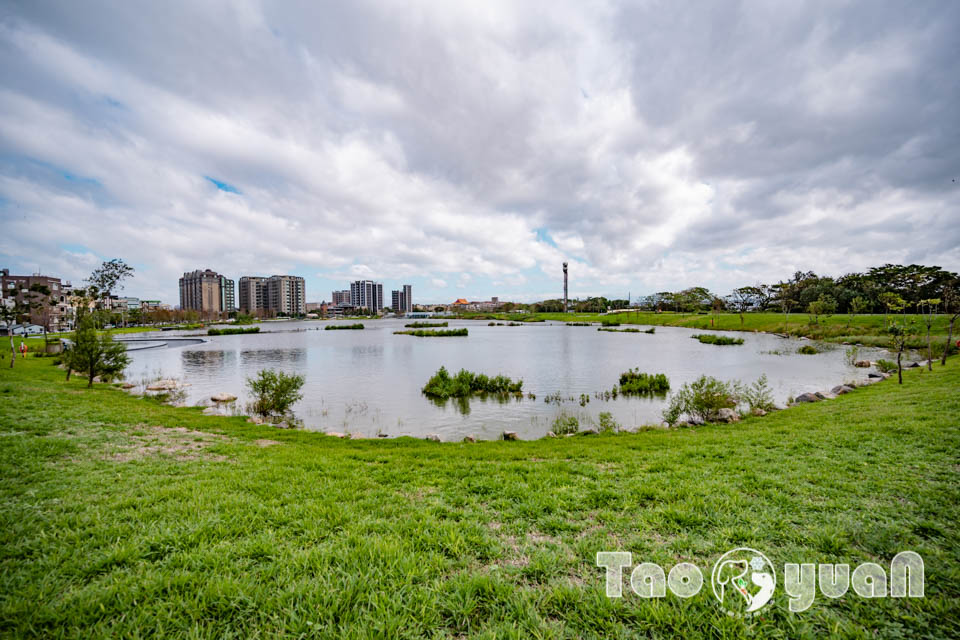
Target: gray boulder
841	389
728	415
863	364
808	397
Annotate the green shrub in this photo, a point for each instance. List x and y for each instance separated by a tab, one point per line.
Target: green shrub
442	385
703	398
886	366
759	395
565	424
808	350
610	322
425	325
274	392
334	327
709	338
607	423
244	318
427	333
633	382
851	355
232	331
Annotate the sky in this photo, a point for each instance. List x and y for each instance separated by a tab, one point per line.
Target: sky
469	148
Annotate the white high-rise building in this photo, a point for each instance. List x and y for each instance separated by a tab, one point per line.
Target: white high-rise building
367	294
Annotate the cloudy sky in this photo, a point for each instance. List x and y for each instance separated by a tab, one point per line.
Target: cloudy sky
470	148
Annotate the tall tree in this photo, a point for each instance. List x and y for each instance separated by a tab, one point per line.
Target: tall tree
109	277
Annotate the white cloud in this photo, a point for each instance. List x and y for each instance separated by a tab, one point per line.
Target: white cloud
658	146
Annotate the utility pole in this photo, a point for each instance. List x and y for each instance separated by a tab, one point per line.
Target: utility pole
565	287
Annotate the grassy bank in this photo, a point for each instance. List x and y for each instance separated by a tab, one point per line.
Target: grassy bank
125	518
867	329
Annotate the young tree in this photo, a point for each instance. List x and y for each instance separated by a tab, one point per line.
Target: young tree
96	355
824	305
951	304
891	302
899	334
744	299
786	293
928	310
857	306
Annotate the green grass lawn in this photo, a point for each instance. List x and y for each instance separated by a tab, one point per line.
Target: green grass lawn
125	518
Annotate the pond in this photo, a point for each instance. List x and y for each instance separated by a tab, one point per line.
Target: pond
368	382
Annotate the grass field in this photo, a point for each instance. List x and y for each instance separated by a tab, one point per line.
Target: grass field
125	518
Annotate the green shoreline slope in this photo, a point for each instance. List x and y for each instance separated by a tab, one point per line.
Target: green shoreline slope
125	518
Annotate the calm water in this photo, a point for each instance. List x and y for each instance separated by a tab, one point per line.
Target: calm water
369	381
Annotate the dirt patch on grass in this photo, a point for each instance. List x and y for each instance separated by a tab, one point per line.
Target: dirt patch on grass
265	443
178	442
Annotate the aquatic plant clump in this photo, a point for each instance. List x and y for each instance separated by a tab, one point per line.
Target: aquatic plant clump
808	350
633	382
428	333
232	331
709	338
333	327
425	325
466	383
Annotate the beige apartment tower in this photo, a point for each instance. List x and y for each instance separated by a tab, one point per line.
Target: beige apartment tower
280	295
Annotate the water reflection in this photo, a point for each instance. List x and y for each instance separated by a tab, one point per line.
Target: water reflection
273	356
207	360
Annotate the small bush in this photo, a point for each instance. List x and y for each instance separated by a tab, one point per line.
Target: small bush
633	382
851	355
610	322
565	424
703	398
759	395
274	392
808	350
425	325
334	327
886	366
607	423
709	338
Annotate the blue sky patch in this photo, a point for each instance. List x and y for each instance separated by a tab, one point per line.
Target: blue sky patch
223	186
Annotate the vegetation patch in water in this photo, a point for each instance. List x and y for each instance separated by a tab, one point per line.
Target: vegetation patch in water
635	383
232	331
432	333
709	338
424	325
466	383
336	327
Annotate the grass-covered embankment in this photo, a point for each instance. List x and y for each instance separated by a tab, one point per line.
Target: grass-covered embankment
867	329
125	518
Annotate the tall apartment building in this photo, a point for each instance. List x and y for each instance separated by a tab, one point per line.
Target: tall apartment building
341	297
402	299
285	295
200	291
367	294
227	304
251	294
